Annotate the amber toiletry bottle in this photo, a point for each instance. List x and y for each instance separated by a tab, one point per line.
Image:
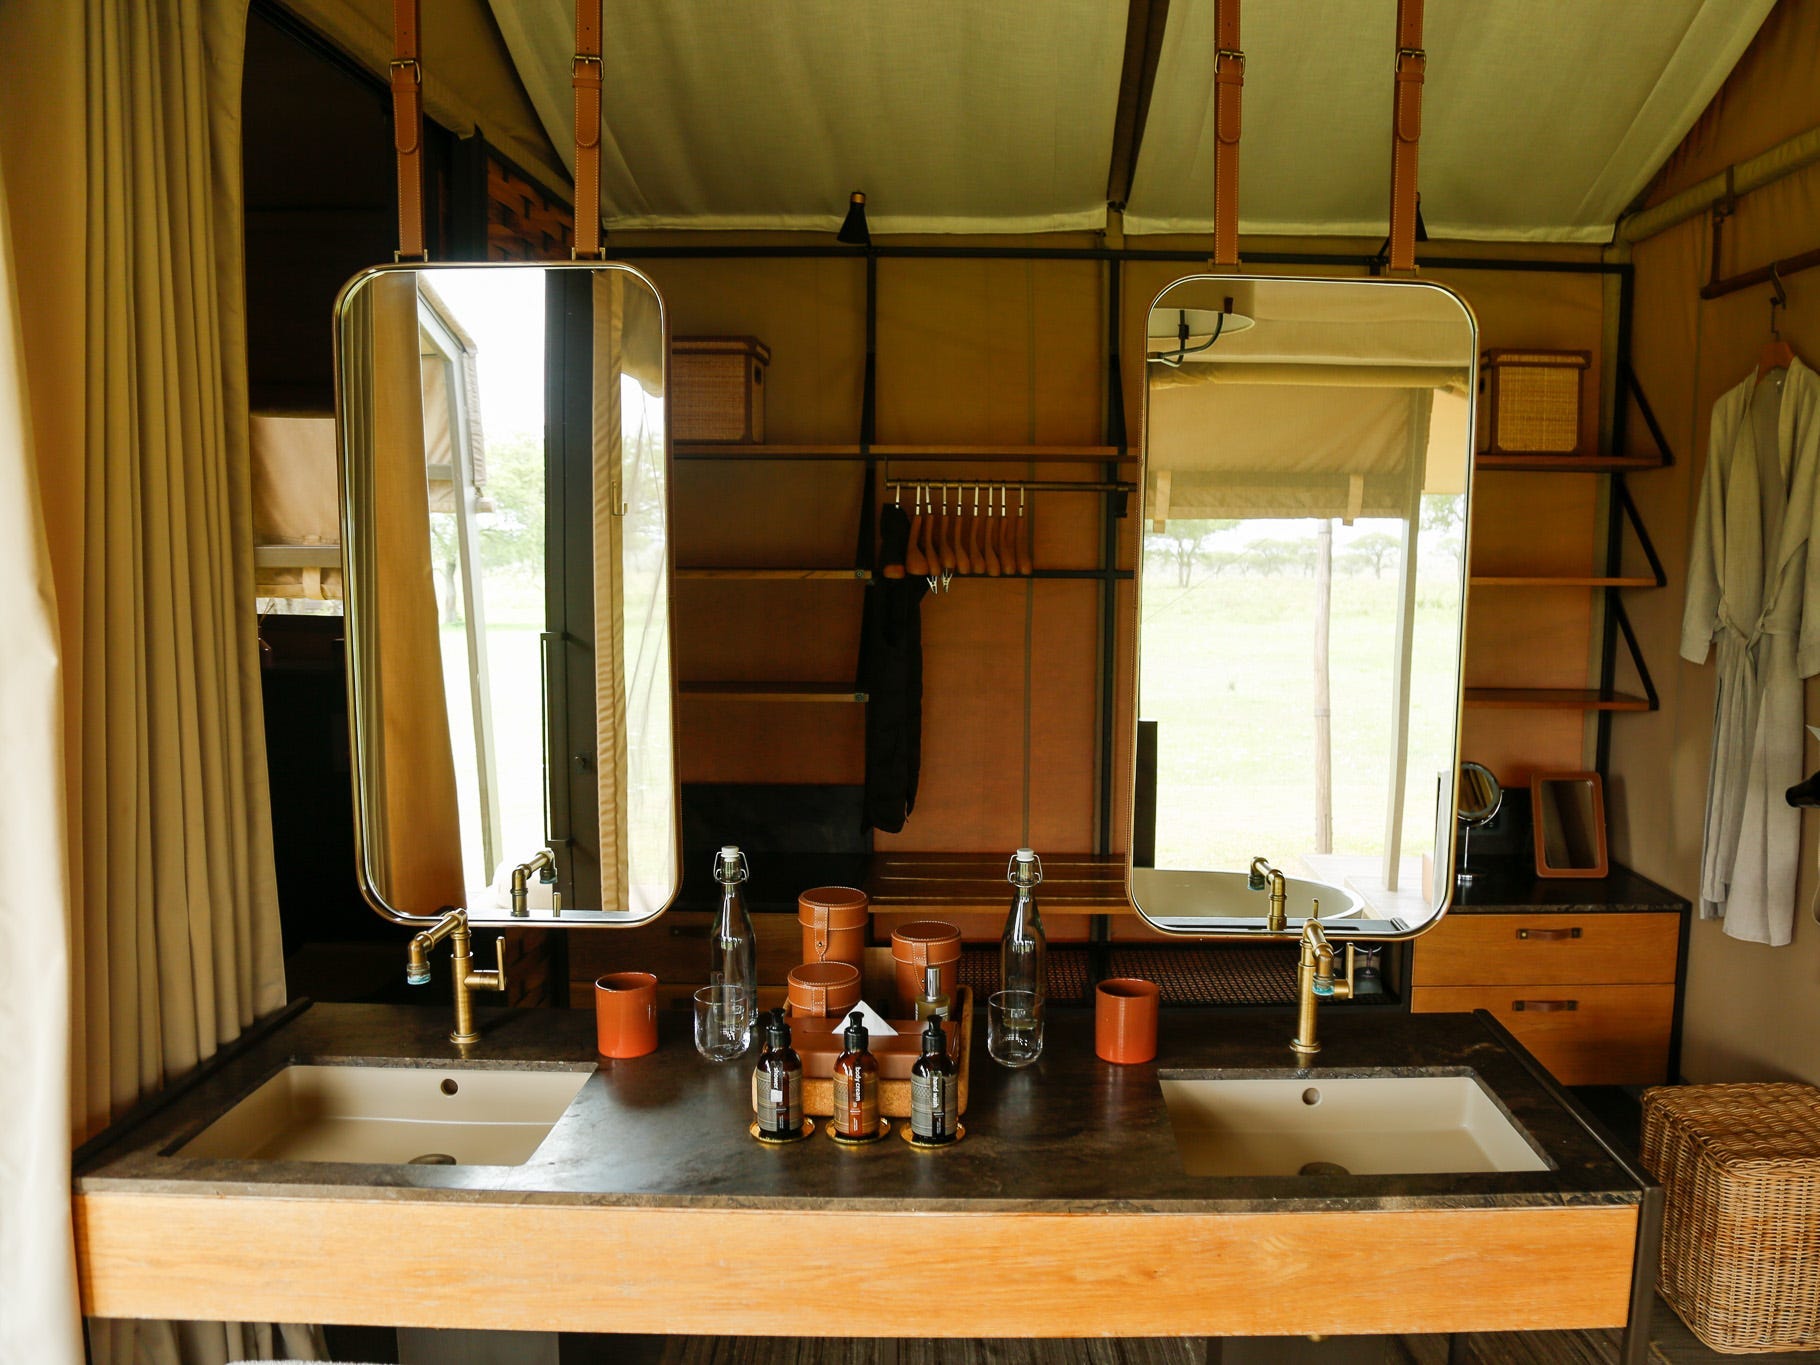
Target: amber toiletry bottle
932	1089
933	1004
856	1084
777	1082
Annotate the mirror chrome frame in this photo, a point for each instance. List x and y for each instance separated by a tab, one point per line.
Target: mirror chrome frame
1446	834
352	569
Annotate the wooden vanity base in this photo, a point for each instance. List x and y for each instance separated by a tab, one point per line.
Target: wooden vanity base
562	1266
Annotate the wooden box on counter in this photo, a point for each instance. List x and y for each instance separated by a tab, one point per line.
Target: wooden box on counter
894	1091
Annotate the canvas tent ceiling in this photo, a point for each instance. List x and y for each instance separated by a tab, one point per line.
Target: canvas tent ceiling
1543	118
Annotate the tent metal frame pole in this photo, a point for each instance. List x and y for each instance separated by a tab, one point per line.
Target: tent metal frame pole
1111	513
1360	261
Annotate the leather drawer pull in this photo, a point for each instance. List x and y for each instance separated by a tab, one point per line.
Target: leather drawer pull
1544	1006
1548	935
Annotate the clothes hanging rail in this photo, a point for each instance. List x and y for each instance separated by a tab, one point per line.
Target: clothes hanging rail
897	482
1752	279
1718	286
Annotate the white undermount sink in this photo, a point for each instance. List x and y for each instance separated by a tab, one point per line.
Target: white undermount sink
394	1115
1190	901
1357	1125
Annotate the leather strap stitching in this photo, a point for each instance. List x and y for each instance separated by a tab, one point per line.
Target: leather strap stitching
1406	133
1228	103
406	79
587	74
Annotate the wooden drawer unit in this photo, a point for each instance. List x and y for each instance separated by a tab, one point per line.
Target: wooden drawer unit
1585	1035
1593	995
1495	950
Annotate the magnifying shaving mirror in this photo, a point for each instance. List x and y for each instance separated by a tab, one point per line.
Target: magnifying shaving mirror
505	515
1480	798
1301	604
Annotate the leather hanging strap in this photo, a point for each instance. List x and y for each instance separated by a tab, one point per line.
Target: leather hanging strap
1406	134
586	73
407	128
1228	96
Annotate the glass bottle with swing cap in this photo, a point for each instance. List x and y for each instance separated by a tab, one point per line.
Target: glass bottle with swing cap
733	947
1022	947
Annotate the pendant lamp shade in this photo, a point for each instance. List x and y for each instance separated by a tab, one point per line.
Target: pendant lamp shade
853	231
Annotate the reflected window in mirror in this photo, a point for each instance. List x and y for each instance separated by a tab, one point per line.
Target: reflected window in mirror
1302	590
506	516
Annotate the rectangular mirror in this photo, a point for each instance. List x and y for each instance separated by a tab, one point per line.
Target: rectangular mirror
1567	811
505	515
1301	612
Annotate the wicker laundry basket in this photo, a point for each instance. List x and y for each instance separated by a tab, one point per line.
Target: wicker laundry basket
1741	1232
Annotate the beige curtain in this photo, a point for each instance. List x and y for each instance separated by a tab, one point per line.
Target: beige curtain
608	469
413	832
122	118
37	1266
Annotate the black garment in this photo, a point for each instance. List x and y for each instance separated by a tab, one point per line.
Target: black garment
891	675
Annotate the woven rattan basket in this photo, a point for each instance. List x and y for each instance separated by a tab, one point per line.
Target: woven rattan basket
1531	401
717	388
1741	1233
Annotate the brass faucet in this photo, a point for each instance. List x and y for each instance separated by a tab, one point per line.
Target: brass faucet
544	864
454	927
1262	874
1315	981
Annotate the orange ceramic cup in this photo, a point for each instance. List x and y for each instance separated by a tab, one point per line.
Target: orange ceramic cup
818	989
921	944
1124	1020
625	1014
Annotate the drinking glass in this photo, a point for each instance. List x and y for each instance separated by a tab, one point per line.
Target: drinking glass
1014	1028
722	1030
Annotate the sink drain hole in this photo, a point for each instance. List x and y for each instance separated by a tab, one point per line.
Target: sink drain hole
449	1085
432	1159
1323	1168
1309	1096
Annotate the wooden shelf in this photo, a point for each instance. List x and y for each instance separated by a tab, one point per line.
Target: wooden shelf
730	450
1558	581
781	575
772	691
1012	454
1553	699
1567	464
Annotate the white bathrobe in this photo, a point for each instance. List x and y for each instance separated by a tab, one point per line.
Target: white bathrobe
1753	590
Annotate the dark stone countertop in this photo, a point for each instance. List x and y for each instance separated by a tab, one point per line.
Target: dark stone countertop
1519	891
1068	1134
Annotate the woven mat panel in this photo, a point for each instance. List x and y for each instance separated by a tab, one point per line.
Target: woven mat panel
1069	973
1224	975
1741	1231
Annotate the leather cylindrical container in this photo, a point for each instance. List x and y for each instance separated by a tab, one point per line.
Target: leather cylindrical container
920	944
823	988
625	1014
1124	1020
834	920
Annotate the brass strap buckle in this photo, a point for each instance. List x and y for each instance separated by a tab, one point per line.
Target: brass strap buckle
578	61
1407	55
1225	55
410	63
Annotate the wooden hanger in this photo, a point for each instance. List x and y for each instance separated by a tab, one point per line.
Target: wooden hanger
915	562
1776	354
